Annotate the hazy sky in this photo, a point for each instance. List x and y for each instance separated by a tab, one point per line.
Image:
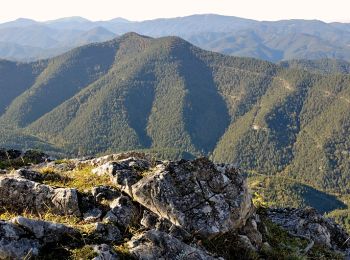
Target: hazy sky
327	10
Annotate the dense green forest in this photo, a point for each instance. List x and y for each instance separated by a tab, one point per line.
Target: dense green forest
289	122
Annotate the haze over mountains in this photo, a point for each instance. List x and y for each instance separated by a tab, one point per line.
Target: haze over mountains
26	39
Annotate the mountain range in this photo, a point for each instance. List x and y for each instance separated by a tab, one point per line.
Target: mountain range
28	40
167	96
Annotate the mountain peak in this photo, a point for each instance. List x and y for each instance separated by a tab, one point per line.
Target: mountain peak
119	20
20	22
132	35
75	19
24	20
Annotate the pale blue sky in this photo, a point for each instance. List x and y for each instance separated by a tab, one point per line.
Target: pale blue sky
327	10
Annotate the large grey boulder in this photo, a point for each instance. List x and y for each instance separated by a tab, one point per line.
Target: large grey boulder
200	197
20	194
155	244
16	243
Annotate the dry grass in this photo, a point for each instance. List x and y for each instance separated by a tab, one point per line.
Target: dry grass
81	179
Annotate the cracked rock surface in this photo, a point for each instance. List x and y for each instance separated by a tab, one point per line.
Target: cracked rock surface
200	197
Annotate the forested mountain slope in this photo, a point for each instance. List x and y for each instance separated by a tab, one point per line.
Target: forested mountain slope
321	66
136	92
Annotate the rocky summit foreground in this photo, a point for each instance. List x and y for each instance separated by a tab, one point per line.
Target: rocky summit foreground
132	206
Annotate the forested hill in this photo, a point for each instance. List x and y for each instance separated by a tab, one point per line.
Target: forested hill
170	97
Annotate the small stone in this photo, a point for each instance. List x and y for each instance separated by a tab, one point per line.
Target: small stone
244	242
107	232
104	192
251	231
149	219
122	212
92	215
105	252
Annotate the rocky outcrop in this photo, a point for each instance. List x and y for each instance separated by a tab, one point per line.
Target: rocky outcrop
154	244
22	238
20	195
310	224
151	210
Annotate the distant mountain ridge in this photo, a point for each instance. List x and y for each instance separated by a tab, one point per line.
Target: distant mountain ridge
272	41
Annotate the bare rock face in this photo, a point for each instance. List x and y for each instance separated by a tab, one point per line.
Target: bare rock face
15	243
312	225
20	194
200	197
155	244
